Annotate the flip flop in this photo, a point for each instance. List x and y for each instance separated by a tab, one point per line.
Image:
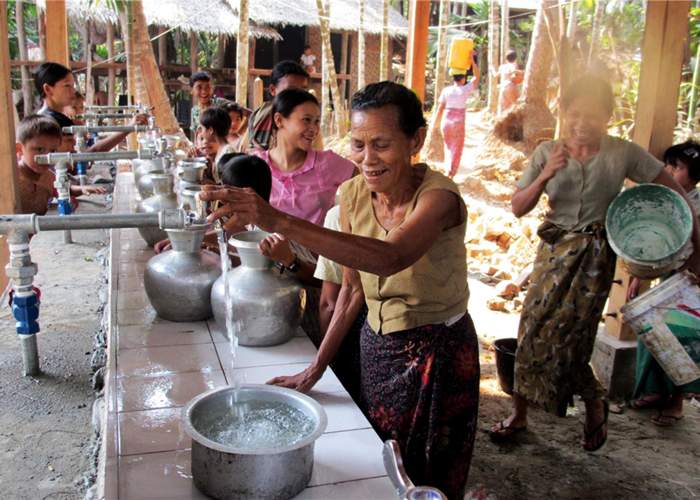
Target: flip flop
645	403
504	433
587	436
665	420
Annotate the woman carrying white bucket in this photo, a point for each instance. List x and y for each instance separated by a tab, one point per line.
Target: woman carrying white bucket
581	173
653	387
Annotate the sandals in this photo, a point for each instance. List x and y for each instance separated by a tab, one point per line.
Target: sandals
503	433
663	420
589	436
648	401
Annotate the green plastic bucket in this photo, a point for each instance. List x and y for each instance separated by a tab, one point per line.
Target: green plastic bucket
649	228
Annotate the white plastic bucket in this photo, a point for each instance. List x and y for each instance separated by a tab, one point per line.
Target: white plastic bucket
646	313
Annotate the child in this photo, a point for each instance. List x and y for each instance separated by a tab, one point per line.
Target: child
238	116
202	97
213	128
308	59
38	135
653	388
510	78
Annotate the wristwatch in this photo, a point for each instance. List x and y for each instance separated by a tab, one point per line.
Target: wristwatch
292	268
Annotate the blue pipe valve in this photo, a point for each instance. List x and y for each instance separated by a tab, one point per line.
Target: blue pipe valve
64	207
26	313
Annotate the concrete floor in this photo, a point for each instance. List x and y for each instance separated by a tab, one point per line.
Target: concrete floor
45	423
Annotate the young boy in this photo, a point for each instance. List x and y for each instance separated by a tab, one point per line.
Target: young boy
308	59
285	74
56	85
38	135
202	97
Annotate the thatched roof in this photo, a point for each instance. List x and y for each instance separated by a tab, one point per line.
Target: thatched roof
344	16
201	16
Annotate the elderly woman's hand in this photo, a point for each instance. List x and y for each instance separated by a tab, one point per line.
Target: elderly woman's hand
241	206
302	381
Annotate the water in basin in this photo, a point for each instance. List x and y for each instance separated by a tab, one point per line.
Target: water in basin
256	425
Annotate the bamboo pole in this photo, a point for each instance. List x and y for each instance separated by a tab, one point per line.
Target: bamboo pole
242	54
505	29
361	63
493	55
22	46
111	73
384	57
329	69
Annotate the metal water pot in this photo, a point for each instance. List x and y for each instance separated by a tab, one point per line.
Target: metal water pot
178	282
188	201
143	167
191	171
145	184
163	197
266	305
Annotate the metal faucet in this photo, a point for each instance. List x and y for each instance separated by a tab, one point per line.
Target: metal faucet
405	489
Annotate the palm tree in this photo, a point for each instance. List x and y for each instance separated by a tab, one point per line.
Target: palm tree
531	120
242	52
329	78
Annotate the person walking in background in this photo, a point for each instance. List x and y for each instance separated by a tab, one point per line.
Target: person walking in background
509	77
453	105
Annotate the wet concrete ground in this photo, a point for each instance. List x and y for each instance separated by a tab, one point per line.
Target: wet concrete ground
45	422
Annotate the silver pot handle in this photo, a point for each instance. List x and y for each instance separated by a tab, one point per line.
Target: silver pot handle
395	469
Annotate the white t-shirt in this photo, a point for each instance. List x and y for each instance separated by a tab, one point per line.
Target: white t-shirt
308	60
327	270
455	96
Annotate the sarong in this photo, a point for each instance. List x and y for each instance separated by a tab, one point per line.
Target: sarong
421	388
569	285
452	128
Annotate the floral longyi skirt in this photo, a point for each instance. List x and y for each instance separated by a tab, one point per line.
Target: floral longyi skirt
421	388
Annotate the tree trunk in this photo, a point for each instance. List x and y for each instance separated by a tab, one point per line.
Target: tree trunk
596	29
505	29
242	54
361	63
221	51
693	103
531	121
41	30
573	20
127	35
441	66
194	47
155	92
330	80
384	56
494	53
24	71
162	47
87	49
111	73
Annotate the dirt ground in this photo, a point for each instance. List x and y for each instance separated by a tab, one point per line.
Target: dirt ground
45	422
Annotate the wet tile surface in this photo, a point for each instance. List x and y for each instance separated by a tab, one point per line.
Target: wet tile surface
161	365
176	389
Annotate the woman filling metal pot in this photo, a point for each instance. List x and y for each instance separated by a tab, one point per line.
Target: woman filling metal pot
581	173
402	246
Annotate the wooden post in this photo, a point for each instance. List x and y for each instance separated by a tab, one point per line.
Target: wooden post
162	47
384	55
505	29
344	56
194	47
8	166
242	54
111	73
22	45
417	49
258	92
87	46
665	36
57	32
361	61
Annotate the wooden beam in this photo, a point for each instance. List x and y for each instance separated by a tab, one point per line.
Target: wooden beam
344	56
194	48
417	49
57	32
663	50
8	165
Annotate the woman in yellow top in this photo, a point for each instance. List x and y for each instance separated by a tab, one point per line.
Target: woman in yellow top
403	252
581	173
